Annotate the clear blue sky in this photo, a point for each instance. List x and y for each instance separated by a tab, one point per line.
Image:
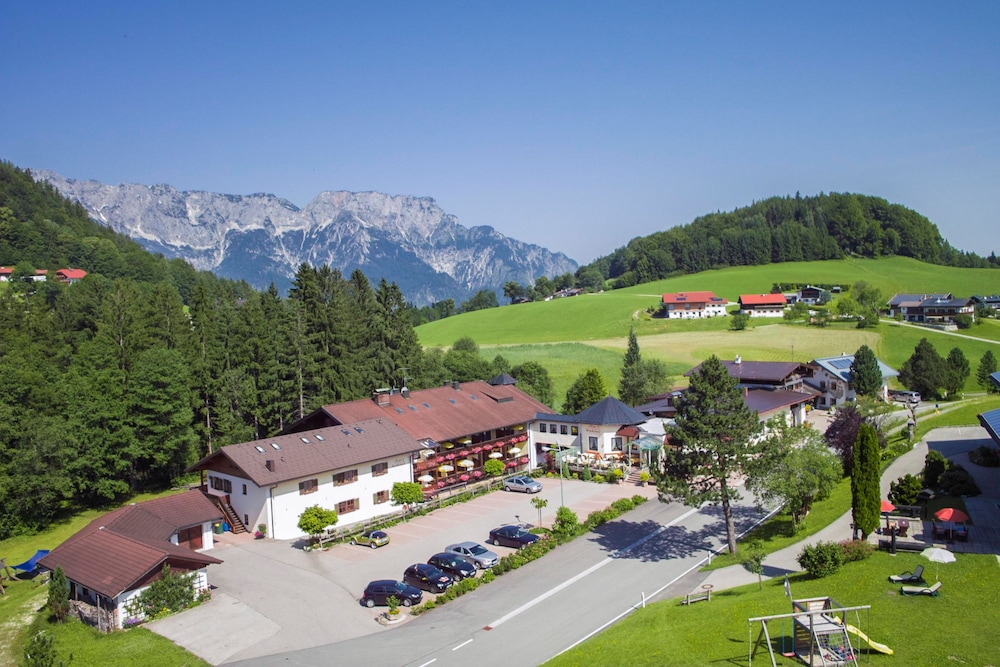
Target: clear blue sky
574	125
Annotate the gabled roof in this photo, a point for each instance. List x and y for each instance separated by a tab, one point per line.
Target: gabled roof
610	410
991	422
909	298
840	367
311	452
71	274
995	378
763	401
118	551
438	413
945	302
771	372
693	297
763	299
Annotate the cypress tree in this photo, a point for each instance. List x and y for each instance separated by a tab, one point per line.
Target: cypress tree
865	504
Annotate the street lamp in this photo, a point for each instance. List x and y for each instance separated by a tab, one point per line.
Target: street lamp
558	458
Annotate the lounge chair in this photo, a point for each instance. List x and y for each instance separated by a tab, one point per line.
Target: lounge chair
917	576
921	590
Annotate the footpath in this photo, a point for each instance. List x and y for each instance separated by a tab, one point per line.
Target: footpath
954	443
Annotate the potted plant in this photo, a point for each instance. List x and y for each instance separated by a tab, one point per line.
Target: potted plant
643	477
261	531
393	614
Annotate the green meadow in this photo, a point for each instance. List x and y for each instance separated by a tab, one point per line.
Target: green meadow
568	336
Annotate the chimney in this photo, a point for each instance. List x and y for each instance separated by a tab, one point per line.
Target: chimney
738	359
381	397
269	464
455	385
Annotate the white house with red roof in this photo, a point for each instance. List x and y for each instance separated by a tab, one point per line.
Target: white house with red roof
68	276
763	305
691	305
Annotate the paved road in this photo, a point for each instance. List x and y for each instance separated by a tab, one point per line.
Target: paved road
550	605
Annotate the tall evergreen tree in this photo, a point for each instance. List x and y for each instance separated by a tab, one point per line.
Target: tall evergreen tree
632	386
866	377
925	371
958	371
588	389
716	440
987	366
533	379
865	501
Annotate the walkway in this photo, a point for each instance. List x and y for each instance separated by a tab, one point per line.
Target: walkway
955	443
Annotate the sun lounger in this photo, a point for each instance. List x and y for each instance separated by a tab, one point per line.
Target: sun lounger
908	577
921	590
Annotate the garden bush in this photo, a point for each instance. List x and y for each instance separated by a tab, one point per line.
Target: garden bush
855	550
586	475
957	481
623	505
904	490
935	464
599	479
986	456
565	522
821	559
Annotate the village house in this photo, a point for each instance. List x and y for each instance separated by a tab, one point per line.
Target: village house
939	309
691	305
604	433
762	305
68	276
115	557
831	378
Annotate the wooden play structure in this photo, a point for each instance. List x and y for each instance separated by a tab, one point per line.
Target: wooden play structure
820	633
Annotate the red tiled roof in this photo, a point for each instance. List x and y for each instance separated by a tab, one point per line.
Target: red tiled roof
763	299
117	551
72	274
329	448
444	413
692	297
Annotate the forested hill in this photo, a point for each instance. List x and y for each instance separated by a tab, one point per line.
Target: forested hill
784	229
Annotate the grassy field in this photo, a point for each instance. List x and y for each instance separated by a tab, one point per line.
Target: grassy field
921	630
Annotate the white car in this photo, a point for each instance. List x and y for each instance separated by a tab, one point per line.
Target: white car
475	553
522	483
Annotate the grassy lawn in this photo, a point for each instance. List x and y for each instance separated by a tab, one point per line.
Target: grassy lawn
921	630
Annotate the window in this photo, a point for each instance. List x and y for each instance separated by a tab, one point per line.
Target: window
346	477
616	443
593	443
380	469
246	520
563	429
380	497
219	484
308	486
552	428
541	428
244	489
575	430
347	506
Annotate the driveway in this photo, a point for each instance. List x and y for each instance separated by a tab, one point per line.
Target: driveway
271	597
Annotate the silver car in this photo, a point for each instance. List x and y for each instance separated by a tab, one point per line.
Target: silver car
522	483
475	553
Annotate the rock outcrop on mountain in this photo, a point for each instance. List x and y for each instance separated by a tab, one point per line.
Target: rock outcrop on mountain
261	238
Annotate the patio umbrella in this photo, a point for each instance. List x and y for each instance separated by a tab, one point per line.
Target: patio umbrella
951	514
938	555
467	463
446	468
496	455
887	506
425	478
514	451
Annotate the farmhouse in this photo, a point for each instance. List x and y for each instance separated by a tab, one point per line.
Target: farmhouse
762	305
831	377
690	305
67	276
930	308
115	557
787	375
992	302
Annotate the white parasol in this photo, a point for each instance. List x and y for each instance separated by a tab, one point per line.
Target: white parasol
938	555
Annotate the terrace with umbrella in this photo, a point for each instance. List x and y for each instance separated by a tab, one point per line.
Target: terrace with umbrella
950	522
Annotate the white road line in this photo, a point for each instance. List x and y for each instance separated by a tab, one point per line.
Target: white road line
590	570
467	641
429	662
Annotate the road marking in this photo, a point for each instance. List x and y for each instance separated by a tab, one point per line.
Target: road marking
429	662
467	641
590	570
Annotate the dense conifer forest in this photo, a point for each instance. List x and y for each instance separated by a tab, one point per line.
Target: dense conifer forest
783	229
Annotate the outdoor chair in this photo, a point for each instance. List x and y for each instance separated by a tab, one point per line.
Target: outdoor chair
921	590
939	530
908	577
962	532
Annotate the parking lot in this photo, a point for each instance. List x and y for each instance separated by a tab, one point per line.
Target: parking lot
270	596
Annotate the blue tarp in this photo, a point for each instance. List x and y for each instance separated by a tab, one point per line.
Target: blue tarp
32	563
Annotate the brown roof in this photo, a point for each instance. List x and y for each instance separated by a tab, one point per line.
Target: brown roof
310	452
771	372
116	552
442	413
764	401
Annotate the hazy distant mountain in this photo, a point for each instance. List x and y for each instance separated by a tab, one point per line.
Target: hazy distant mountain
261	238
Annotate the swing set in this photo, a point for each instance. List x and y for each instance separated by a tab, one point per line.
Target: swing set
819	633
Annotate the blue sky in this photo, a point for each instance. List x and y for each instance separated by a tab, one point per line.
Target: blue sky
574	125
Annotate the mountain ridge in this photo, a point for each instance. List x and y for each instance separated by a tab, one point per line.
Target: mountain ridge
263	238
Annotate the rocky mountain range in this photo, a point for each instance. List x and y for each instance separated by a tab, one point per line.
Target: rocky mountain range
261	238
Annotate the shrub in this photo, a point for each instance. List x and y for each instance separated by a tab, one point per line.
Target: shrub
58	601
623	505
566	521
821	559
904	490
958	482
617	475
986	456
170	593
935	464
855	550
487	577
638	499
586	475
599	479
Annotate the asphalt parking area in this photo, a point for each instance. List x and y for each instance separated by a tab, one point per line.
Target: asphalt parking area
271	597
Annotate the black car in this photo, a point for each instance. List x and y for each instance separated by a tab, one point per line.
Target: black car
427	577
377	592
512	536
453	564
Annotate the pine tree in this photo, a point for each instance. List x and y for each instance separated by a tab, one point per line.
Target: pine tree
865	502
588	389
715	434
866	377
631	387
987	366
925	371
58	601
958	371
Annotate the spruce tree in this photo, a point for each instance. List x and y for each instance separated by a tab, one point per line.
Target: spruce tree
865	502
866	377
631	387
58	601
987	366
925	371
588	389
958	371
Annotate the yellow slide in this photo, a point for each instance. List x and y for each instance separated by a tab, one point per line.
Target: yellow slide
881	648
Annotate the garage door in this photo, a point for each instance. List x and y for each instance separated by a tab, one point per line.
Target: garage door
190	537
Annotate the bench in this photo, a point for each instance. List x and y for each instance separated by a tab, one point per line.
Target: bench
912	511
902	545
705	595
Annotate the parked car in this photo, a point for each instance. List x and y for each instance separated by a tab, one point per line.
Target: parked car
453	564
475	553
373	538
904	396
377	592
512	536
427	577
522	483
